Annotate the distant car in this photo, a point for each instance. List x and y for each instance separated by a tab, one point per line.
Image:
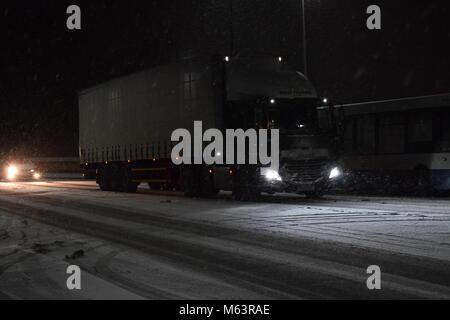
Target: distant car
21	172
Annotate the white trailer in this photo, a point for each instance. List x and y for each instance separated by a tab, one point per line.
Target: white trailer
126	123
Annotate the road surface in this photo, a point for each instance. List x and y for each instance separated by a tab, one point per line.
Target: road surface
159	245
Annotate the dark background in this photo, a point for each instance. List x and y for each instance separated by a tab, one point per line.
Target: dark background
43	64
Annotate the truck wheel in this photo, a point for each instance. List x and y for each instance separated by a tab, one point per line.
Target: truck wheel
125	183
104	179
245	185
188	183
131	187
246	195
116	177
207	188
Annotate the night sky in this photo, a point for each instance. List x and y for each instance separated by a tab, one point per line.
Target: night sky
43	64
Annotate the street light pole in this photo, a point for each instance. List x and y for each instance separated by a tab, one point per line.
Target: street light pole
231	28
305	53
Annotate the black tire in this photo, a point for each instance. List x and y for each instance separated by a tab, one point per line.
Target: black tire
131	187
245	185
116	178
104	179
125	183
188	181
207	188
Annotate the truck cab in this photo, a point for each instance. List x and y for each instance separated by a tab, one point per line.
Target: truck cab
266	93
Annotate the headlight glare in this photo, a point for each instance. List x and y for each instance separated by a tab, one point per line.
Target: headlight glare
335	173
272	175
11	172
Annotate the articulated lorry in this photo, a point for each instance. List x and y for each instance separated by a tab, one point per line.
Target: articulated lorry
126	126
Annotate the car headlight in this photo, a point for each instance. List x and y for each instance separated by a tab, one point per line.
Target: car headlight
36	175
335	173
272	175
11	172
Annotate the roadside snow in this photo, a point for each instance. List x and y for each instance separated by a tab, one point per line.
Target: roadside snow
410	226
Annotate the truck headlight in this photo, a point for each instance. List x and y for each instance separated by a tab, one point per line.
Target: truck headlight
272	175
11	172
335	173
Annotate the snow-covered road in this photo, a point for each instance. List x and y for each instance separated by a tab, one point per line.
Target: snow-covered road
158	245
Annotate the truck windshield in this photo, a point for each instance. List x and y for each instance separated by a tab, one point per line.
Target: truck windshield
294	115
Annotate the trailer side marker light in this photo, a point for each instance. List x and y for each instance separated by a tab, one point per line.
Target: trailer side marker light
210	171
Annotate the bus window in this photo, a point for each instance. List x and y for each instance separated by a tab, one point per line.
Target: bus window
391	134
365	135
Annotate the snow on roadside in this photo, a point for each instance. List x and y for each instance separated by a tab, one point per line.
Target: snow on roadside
34	258
410	226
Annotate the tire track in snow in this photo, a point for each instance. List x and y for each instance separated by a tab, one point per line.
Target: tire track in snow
170	223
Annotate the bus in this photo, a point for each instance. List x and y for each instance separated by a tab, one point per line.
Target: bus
403	143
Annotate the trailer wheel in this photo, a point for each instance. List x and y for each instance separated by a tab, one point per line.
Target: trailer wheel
207	188
127	185
116	177
131	187
104	179
188	181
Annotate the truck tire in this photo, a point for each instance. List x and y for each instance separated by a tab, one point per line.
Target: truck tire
131	187
104	179
317	194
126	183
245	185
116	177
190	181
207	188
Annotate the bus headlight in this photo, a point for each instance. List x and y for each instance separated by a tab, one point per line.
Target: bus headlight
11	172
272	175
335	173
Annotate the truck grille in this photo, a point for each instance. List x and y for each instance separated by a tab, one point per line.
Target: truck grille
305	170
